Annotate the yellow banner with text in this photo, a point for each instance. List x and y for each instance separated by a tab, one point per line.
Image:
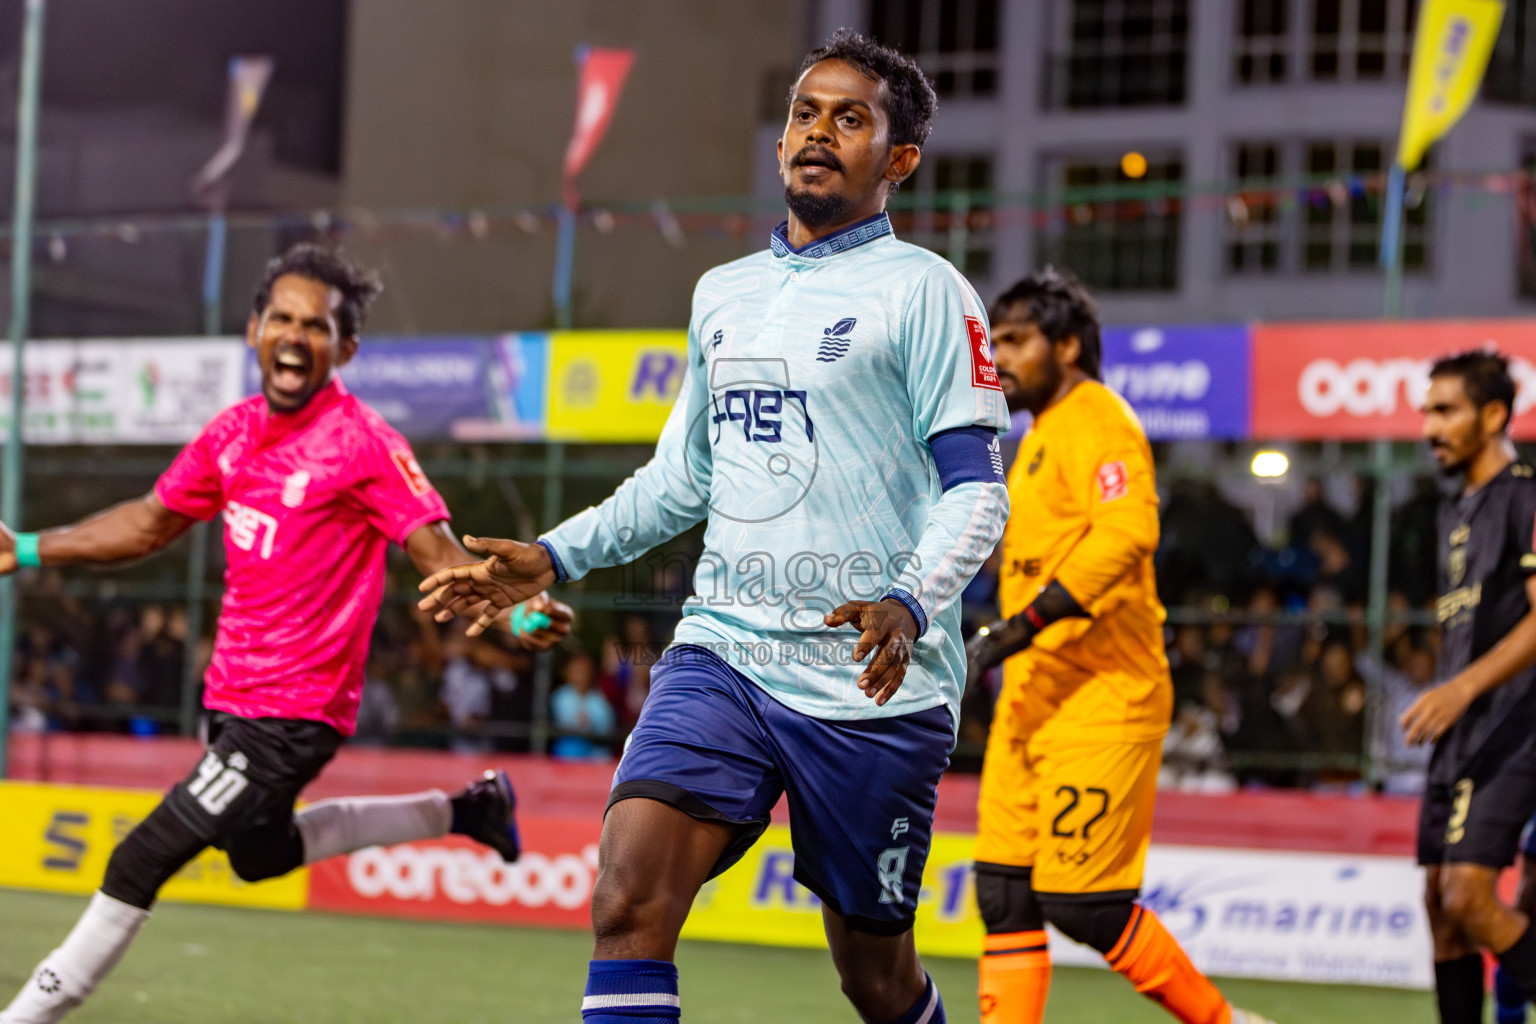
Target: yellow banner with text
613	386
58	839
759	901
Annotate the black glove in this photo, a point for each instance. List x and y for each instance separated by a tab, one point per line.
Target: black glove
1004	638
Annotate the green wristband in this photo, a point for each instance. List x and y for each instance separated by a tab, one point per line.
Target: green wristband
26	551
524	621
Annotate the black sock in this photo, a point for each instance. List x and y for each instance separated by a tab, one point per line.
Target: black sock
1459	988
1519	960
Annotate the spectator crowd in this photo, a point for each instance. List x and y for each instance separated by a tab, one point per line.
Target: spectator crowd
1275	679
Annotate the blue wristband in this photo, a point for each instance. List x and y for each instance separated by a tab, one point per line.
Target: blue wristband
26	551
524	621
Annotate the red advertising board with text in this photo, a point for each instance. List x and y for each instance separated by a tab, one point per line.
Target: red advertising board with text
1360	381
454	879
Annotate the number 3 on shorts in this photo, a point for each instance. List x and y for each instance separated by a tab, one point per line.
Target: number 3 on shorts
891	868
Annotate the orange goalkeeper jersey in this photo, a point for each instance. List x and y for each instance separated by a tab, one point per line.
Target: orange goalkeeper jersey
1084	512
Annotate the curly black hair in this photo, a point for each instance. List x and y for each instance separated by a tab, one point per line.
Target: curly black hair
910	99
1059	304
1484	374
358	287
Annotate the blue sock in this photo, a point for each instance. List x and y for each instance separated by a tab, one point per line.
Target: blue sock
929	1008
623	991
1511	1000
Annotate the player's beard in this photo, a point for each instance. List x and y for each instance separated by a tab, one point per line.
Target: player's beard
1038	394
817	209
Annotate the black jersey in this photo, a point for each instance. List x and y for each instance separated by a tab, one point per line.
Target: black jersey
1487	550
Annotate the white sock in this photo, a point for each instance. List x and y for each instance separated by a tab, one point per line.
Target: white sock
332	827
72	972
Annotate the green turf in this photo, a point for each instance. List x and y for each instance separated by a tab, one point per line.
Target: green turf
217	965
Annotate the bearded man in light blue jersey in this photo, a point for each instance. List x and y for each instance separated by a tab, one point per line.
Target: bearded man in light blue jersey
838	431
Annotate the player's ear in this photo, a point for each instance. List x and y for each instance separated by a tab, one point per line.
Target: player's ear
901	162
783	171
1495	417
1069	350
252	330
346	348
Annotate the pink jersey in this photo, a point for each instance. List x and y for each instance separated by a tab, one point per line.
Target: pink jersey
310	500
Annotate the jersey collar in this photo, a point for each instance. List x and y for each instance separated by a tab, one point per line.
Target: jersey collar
850	237
278	425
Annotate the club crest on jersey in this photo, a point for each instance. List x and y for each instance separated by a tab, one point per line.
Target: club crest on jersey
409	468
294	488
983	369
835	341
1114	482
1034	463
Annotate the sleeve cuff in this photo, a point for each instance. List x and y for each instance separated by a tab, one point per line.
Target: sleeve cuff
561	576
897	594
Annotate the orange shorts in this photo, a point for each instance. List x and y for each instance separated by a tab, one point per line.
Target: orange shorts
1071	798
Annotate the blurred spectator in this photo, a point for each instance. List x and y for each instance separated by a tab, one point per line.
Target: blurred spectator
1409	672
1266	647
1189	661
581	716
1206	542
1415	536
148	659
1194	753
626	675
474	671
45	670
1337	568
1339	714
378	715
1314	514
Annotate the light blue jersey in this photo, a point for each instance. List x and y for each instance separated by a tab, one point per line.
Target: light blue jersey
816	381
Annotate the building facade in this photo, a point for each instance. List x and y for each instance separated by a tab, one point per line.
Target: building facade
1264	128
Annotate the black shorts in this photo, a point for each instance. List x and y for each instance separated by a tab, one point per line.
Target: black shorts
251	774
1473	813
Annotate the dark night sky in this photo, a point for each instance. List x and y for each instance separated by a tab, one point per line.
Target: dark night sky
102	54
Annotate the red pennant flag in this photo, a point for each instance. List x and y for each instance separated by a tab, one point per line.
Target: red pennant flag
602	79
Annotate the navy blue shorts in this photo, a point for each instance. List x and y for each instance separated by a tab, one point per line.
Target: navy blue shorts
716	746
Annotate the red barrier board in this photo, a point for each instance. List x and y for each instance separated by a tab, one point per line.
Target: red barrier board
1274	820
1359	381
454	879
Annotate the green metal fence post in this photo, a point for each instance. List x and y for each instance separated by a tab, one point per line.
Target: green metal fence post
543	673
21	311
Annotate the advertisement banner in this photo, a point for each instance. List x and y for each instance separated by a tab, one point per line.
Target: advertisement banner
613	386
1360	381
421	385
144	391
58	839
454	879
1238	913
516	385
1183	382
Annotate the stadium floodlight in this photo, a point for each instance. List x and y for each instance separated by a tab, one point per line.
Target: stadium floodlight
1270	465
1133	165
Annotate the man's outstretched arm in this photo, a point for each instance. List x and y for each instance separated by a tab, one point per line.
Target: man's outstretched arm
662	499
433	548
121	533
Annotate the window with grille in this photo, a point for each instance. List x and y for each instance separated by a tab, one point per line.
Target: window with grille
1255	231
1263	43
1511	75
955	41
1116	233
1360	40
1526	198
1316	207
951	211
1118	53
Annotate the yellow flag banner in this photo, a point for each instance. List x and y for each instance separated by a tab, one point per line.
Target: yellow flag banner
1450	53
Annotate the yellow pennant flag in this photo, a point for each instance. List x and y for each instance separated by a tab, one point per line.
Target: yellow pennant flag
1450	53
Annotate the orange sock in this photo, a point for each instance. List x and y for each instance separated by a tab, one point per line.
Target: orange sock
1015	977
1153	961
